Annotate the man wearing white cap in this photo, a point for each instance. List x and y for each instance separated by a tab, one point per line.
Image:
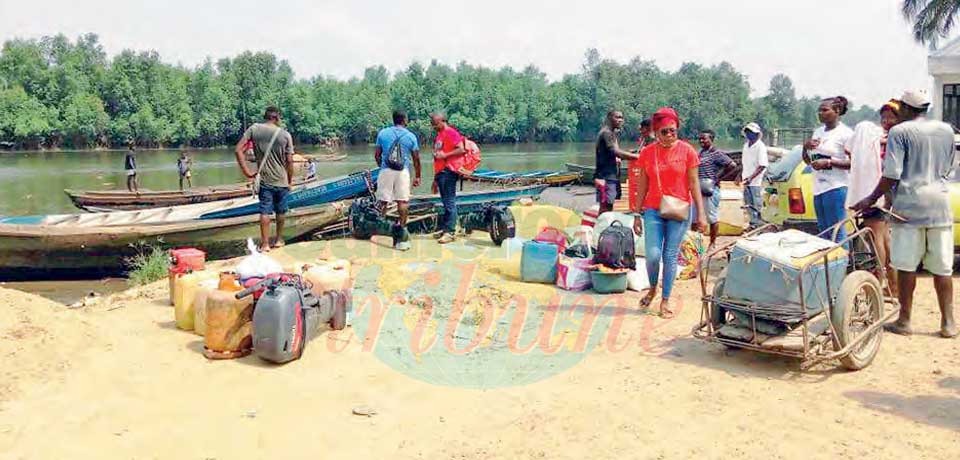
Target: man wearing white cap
755	161
920	154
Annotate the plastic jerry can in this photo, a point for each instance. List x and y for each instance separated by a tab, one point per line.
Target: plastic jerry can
327	275
184	294
229	326
188	258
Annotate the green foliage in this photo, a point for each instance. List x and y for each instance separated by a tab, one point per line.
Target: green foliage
148	265
932	19
54	92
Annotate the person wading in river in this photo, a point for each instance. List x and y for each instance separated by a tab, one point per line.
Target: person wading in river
920	155
130	166
273	148
184	164
606	176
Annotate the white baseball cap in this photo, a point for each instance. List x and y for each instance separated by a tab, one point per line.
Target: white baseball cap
917	99
753	128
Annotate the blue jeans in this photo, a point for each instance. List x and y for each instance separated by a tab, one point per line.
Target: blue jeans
754	201
273	200
831	209
447	184
662	238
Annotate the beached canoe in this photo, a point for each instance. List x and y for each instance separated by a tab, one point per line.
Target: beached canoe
551	178
63	250
325	191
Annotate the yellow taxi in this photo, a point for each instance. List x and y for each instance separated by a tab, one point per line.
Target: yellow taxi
788	197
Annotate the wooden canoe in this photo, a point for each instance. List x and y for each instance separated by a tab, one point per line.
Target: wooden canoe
122	200
551	178
587	172
72	251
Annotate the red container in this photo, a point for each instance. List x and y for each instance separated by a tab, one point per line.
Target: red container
187	259
552	236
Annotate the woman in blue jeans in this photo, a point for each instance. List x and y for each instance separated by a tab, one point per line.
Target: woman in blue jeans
666	168
825	152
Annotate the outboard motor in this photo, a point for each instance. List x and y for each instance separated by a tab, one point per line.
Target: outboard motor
495	220
288	315
367	220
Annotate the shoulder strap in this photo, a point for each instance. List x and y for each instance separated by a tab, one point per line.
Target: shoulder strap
656	168
266	155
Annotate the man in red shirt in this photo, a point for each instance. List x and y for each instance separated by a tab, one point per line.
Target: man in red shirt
448	151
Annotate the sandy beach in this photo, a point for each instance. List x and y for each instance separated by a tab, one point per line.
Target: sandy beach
118	380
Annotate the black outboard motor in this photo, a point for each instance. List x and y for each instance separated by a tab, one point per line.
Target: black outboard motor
288	315
496	220
367	220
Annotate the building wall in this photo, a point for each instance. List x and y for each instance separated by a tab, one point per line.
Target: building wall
936	96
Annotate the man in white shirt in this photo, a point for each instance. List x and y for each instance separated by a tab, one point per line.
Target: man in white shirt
755	162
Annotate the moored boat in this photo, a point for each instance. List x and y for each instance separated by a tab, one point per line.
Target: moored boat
65	250
586	172
551	178
325	191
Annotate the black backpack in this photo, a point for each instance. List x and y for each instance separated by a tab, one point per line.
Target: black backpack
395	155
615	248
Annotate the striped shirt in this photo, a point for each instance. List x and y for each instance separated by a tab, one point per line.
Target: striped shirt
711	162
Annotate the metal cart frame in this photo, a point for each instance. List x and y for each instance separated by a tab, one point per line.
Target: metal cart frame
816	349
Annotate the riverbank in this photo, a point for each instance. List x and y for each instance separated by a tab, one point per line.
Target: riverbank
118	380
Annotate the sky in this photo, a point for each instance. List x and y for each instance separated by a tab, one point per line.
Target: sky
861	49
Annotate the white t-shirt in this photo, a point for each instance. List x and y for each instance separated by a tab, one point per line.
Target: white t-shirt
753	157
832	144
865	162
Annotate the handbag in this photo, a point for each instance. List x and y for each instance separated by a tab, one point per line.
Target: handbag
671	207
256	180
706	187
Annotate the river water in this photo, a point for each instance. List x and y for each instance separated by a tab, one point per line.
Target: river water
33	182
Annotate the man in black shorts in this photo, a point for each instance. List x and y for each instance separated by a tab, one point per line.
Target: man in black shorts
607	176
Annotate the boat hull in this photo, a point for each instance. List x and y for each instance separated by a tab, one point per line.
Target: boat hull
41	251
551	178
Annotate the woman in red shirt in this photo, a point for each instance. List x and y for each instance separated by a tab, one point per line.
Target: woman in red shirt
667	167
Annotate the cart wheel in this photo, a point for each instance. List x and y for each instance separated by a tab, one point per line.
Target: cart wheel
860	304
718	315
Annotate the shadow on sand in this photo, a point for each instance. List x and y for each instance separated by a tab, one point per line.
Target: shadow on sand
939	411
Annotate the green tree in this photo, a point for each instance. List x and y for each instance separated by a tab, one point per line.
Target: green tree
85	119
932	19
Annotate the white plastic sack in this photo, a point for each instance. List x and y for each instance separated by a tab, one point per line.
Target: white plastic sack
637	280
257	265
513	246
608	218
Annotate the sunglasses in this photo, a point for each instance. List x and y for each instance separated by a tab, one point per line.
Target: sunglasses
667	131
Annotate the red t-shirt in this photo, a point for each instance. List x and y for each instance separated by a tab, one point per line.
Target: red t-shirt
673	164
447	141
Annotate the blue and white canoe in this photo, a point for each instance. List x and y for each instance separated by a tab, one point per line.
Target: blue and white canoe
540	177
312	194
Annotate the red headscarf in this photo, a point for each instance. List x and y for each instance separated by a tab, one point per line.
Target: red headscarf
664	115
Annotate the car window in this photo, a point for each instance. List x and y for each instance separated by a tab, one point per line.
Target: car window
781	170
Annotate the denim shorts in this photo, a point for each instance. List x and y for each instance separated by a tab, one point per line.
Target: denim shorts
273	199
610	192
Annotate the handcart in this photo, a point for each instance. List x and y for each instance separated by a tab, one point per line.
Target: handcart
832	306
